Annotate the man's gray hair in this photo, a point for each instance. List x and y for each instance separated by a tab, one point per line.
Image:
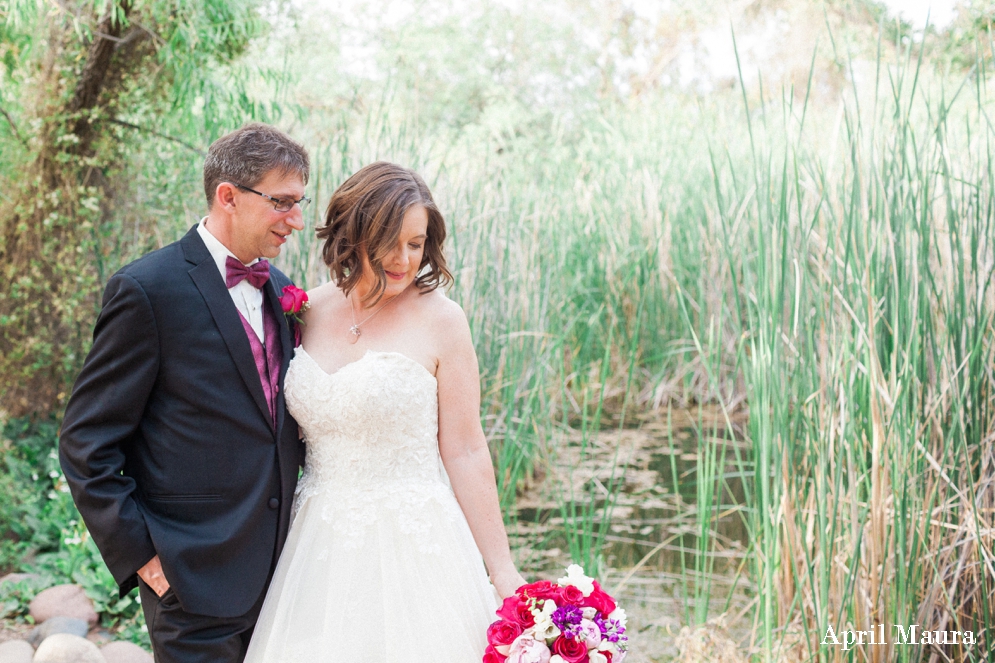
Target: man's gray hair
247	155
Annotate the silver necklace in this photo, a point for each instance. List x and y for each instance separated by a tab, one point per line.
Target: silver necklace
354	330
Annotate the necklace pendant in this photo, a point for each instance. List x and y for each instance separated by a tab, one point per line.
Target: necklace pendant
354	331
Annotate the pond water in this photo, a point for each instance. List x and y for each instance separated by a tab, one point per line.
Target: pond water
639	489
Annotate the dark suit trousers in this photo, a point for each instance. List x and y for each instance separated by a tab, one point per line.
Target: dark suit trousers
182	637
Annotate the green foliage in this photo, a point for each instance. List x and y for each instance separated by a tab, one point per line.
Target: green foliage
818	258
37	505
16	596
821	262
42	533
969	40
78	561
164	70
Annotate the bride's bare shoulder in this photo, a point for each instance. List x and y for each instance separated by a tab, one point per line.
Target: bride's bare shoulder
323	298
439	306
325	294
445	317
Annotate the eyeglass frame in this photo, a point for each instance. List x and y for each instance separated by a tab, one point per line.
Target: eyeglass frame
276	201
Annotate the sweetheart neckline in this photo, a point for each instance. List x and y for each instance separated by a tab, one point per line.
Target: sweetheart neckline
300	349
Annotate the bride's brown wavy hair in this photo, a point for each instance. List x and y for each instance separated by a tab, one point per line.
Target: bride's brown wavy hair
365	213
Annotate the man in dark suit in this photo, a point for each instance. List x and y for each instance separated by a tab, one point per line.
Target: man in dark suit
176	443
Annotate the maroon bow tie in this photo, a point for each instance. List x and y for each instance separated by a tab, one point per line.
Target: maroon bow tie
257	274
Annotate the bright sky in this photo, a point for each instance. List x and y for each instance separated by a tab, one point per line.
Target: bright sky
941	12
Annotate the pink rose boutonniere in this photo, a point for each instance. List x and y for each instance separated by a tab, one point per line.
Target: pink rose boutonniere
294	301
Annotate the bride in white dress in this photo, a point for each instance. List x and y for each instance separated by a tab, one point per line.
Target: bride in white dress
397	502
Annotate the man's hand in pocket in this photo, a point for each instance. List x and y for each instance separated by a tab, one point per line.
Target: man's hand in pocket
152	574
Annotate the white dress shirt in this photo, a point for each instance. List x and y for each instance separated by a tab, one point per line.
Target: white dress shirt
248	300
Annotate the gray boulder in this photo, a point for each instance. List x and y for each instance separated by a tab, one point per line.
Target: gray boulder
66	648
55	625
62	601
125	652
16	651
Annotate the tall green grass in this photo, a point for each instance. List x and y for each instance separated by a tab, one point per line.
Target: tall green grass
822	262
864	307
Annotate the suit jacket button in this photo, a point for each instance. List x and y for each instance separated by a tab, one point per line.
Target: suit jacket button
273	503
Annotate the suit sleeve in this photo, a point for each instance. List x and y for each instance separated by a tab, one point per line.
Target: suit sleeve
102	418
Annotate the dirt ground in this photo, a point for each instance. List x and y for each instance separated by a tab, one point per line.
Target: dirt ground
13	631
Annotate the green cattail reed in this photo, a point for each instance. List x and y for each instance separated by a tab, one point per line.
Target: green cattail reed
819	261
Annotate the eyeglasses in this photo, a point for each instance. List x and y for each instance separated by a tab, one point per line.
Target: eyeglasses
279	204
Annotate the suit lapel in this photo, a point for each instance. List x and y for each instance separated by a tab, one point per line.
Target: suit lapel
208	280
286	346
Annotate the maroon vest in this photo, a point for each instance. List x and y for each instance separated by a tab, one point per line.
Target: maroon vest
268	359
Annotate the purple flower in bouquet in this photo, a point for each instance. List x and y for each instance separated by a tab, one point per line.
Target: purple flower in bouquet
570	621
614	631
567	618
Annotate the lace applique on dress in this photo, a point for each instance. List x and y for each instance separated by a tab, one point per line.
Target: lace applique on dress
371	430
379	549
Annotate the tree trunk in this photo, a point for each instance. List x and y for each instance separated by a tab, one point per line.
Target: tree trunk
48	293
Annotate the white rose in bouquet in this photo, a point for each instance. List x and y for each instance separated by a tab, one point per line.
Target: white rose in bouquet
575	576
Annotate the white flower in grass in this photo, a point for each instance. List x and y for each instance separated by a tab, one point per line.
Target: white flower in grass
575	576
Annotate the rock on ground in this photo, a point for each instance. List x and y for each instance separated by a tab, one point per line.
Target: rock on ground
125	652
62	601
16	651
60	624
65	648
99	636
17	577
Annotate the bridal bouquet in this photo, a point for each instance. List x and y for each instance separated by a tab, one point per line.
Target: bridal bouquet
571	620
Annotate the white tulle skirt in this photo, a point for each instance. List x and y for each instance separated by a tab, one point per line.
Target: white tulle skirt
388	576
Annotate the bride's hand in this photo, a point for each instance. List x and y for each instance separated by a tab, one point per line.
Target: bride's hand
507	582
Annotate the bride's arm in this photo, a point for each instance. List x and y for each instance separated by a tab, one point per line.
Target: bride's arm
464	449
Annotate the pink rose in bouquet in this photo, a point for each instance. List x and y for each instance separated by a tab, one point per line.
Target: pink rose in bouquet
589	634
571	650
543	589
571	595
599	600
501	634
492	655
526	649
516	609
573	619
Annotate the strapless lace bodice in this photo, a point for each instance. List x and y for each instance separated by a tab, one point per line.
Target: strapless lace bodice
376	527
371	431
